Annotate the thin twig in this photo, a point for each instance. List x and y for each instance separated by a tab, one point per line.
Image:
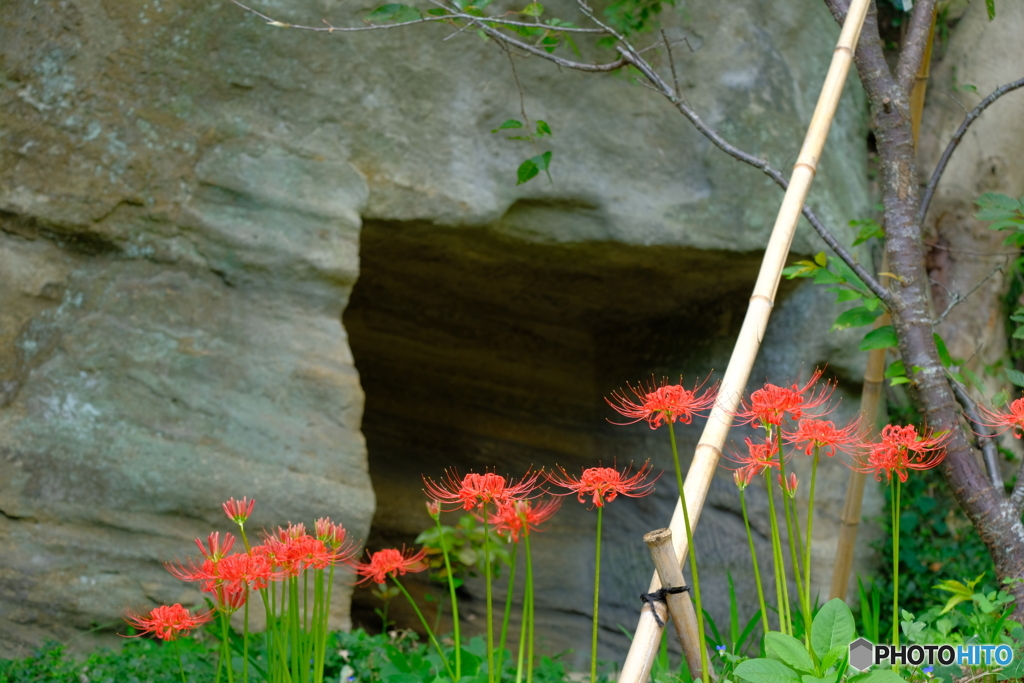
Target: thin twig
929	192
958	298
985	440
671	62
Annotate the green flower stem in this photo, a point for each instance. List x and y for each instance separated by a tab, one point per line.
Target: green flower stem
245	641
528	602
325	613
753	555
597	593
692	552
794	537
895	485
455	603
181	667
508	610
810	526
225	645
781	589
491	678
426	626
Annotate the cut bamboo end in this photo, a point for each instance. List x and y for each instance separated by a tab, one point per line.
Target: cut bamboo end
680	606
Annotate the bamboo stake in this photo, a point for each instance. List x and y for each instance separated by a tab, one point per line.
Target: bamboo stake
637	667
874	375
680	606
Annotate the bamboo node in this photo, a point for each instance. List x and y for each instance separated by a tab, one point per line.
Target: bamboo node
811	167
767	300
659	596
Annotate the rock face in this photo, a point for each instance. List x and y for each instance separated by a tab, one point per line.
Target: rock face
188	196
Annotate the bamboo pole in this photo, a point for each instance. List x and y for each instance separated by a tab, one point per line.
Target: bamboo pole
680	606
874	375
637	667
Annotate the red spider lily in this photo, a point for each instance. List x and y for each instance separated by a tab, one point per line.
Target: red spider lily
1003	421
207	571
238	511
788	485
296	553
743	476
167	622
216	549
478	490
243	571
330	533
901	449
391	562
605	483
434	508
229	598
824	435
661	403
516	516
771	404
761	455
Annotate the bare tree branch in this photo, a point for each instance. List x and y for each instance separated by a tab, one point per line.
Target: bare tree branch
915	44
929	191
985	440
958	298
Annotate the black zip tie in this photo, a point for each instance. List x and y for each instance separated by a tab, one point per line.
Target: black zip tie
659	596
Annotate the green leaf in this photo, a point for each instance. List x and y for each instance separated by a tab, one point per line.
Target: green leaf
855	317
895	369
534	9
394	12
511	123
995	200
437	12
990	5
834	656
765	671
821	259
843	294
831	678
833	626
1001	398
868	229
882	338
944	356
789	651
823	276
532	166
543	128
801	269
1016	377
846	272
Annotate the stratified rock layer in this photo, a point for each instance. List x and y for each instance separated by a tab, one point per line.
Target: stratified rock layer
181	196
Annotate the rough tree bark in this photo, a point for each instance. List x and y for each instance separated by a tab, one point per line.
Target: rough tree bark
992	513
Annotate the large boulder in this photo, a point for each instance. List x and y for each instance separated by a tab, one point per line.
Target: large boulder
188	196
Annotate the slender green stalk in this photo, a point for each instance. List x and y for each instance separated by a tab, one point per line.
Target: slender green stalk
225	645
781	587
794	539
426	626
753	555
895	485
455	603
181	667
810	525
522	642
692	553
508	610
597	593
528	602
245	641
491	677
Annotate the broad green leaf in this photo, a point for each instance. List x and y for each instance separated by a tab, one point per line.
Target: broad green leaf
821	259
824	276
995	200
834	656
1015	376
831	678
532	166
843	294
394	12
765	671
789	651
882	338
990	5
511	123
543	128
944	356
855	317
868	229
1001	399
437	12
833	626
1019	333
534	9
972	377
895	369
800	269
846	272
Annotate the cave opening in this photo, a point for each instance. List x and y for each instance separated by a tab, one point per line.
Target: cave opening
480	350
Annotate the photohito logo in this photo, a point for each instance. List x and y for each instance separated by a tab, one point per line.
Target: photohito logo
864	654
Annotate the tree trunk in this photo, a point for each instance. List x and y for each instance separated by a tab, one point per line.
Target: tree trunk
996	520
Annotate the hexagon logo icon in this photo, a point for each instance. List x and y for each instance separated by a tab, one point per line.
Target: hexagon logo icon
861	654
